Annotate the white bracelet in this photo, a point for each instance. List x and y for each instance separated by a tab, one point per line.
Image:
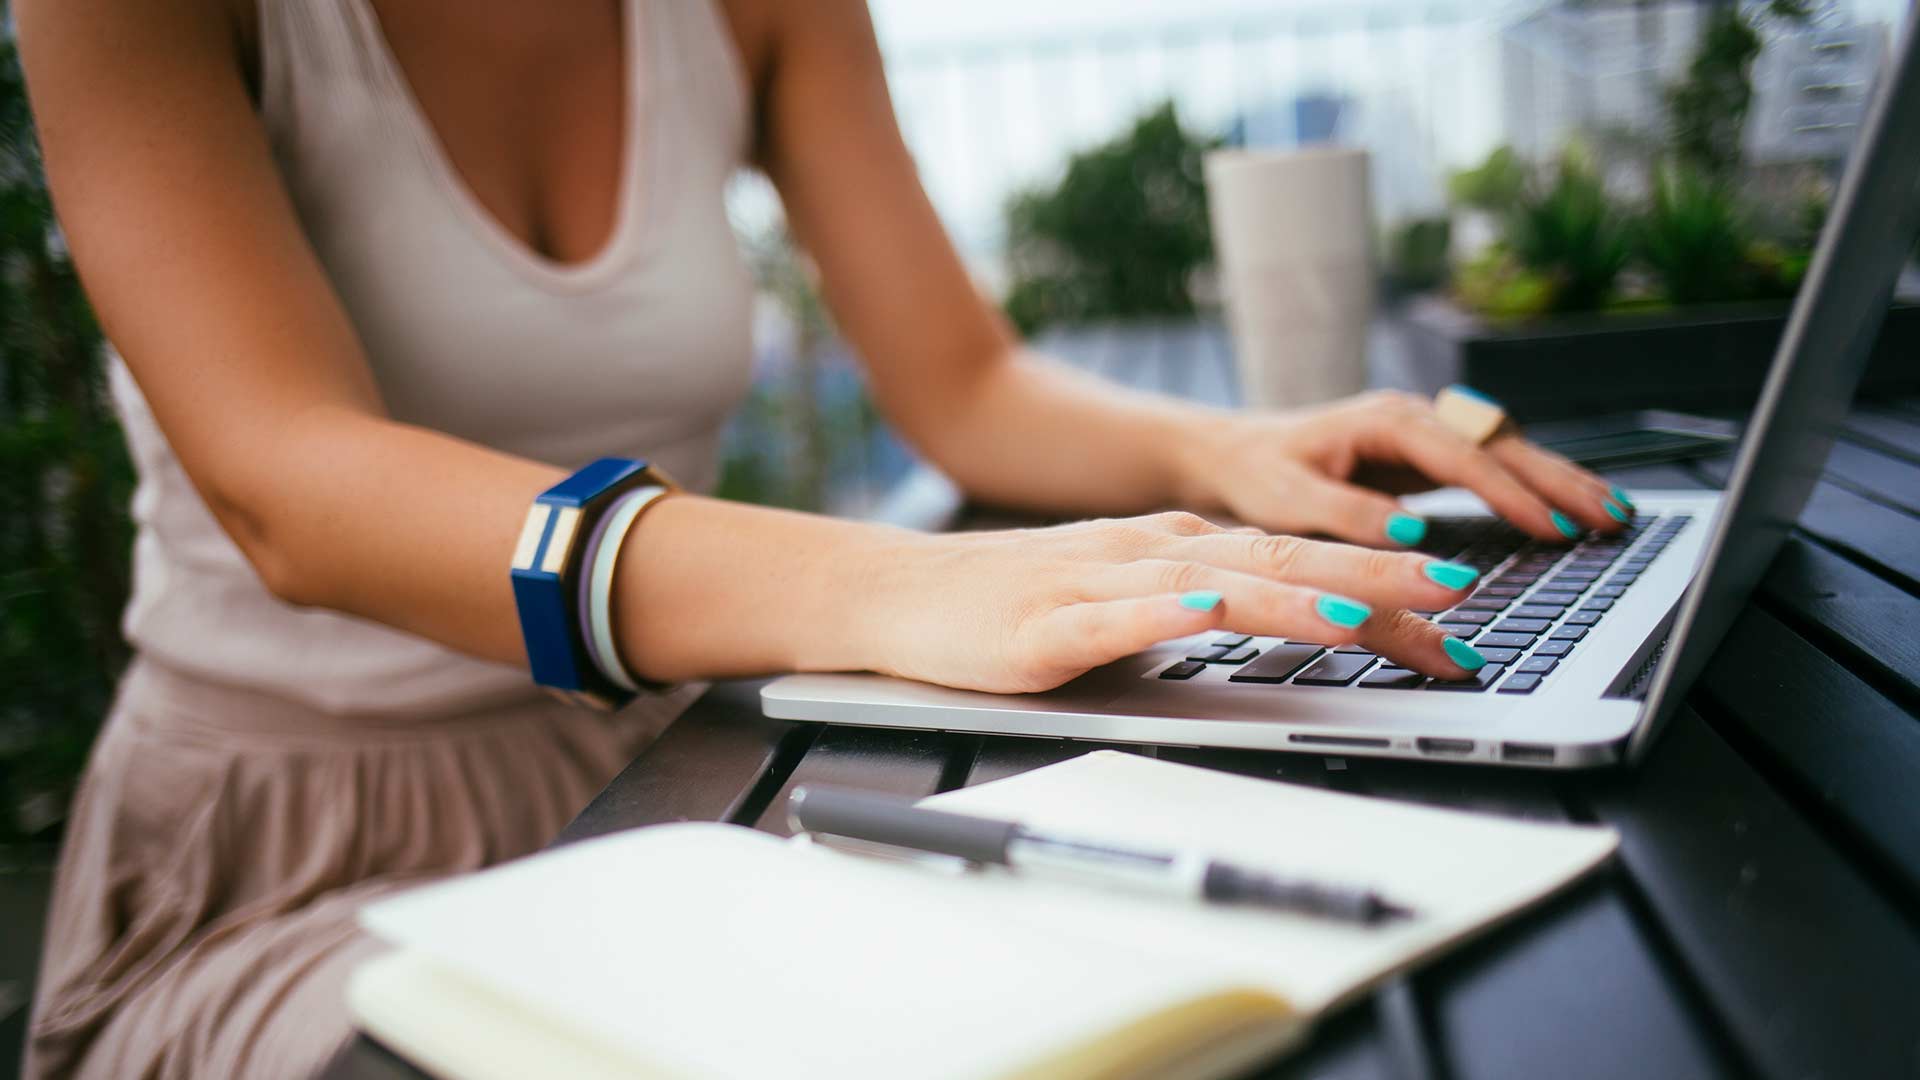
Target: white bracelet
620	518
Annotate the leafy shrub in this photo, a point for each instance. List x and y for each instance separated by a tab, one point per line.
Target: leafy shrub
1416	254
1707	113
1120	235
1572	234
1697	238
64	485
1495	185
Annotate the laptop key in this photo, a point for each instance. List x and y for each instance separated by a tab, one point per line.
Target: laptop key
1463	631
1499	656
1598	603
1506	640
1521	626
1232	641
1610	591
1584	617
1333	669
1474	618
1538	611
1277	663
1393	678
1185	669
1474	683
1554	648
1568	633
1538	665
1208	653
1520	684
1564	599
1359	649
1485	603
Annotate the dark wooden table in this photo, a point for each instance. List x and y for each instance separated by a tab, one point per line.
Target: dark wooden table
1763	917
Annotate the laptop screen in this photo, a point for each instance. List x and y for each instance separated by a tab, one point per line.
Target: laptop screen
1821	357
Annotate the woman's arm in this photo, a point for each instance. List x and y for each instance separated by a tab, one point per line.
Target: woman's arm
195	261
948	370
197	266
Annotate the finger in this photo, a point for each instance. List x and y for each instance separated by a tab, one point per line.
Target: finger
1253	604
1318	504
1076	637
1413	642
1445	456
1383	579
1580	494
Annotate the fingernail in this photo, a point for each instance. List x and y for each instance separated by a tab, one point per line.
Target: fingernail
1200	600
1463	654
1340	611
1451	574
1472	393
1615	511
1620	497
1565	524
1405	529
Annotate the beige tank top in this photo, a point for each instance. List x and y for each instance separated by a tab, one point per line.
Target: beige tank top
643	350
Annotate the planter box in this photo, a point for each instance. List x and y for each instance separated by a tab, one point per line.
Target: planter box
1709	358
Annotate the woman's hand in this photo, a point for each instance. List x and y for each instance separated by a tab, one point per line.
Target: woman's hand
1030	609
1332	470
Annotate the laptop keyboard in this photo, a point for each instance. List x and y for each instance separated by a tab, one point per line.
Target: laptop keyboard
1535	604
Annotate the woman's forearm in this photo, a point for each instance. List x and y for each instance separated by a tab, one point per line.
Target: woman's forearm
416	529
1028	432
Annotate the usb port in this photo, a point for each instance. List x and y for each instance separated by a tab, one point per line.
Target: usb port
1528	752
1445	746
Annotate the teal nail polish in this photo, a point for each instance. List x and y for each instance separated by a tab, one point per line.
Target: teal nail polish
1200	600
1405	529
1451	574
1463	654
1341	611
1472	393
1565	524
1614	511
1620	497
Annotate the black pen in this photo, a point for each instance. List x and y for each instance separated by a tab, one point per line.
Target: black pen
895	822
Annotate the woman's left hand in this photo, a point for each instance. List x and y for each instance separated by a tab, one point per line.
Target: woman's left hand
1334	469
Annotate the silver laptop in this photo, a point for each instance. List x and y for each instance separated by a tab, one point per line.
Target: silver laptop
1591	646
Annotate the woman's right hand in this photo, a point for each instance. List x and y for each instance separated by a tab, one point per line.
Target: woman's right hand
1030	609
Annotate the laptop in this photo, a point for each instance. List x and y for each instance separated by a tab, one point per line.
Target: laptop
1591	645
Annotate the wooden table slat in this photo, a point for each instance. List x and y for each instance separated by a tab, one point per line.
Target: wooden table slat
1894	431
1892	480
896	762
702	768
1867	620
1572	991
1003	756
1808	964
1505	1005
1850	749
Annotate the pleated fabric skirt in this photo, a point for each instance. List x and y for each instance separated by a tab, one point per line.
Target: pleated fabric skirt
203	913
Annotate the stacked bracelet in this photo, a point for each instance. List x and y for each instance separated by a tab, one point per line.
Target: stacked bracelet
596	583
548	567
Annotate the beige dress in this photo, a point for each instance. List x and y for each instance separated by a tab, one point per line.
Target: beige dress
266	769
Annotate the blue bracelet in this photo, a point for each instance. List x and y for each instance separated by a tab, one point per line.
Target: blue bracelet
546	574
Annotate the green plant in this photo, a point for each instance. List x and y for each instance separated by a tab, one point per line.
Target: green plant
1707	112
1495	185
1571	233
64	485
1693	237
1496	284
1701	243
1416	254
1120	235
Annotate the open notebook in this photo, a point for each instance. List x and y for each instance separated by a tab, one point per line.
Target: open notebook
702	950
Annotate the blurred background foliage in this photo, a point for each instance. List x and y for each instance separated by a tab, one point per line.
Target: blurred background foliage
1120	235
64	484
